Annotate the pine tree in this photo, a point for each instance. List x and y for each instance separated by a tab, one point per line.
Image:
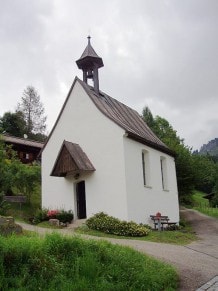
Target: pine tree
33	111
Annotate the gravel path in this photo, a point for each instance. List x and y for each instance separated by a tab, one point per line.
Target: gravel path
196	263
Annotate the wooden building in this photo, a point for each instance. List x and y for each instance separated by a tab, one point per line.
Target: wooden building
27	150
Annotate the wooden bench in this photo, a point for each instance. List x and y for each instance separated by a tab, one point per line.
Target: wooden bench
16	199
160	221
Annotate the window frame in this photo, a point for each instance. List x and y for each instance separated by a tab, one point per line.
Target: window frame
164	174
145	168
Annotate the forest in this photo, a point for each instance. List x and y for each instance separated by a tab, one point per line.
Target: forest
195	170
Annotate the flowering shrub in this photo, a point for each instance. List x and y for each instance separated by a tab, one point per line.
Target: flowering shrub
112	225
46	214
52	213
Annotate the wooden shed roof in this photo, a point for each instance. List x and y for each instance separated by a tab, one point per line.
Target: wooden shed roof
71	160
22	141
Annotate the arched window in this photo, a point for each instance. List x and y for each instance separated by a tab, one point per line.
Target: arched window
146	168
163	165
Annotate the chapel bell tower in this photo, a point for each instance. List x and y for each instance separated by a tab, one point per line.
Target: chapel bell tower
89	63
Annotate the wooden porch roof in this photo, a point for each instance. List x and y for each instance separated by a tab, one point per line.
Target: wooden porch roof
71	160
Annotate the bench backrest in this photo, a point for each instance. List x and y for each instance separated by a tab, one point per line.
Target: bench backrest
17	198
161	218
156	217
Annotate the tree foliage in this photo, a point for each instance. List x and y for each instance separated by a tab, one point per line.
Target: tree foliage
33	111
193	171
148	117
28	118
13	123
15	176
162	128
205	173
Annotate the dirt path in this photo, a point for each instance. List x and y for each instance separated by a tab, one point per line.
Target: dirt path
196	263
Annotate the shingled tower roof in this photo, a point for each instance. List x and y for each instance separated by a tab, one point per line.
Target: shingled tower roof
89	55
89	63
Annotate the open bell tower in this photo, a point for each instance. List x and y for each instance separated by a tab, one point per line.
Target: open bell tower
89	63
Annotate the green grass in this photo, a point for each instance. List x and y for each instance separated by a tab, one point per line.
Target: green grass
22	213
198	199
210	211
26	210
202	205
178	237
46	224
71	263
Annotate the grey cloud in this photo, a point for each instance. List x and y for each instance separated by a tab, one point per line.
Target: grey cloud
159	52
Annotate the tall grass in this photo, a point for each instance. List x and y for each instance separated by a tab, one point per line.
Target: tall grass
202	205
66	263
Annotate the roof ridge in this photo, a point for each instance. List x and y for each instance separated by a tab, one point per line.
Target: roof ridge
135	126
21	138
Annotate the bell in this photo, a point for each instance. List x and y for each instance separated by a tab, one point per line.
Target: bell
90	74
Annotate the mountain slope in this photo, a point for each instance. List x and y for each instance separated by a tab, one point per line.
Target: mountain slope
210	148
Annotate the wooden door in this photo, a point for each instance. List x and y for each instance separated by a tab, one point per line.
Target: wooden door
81	200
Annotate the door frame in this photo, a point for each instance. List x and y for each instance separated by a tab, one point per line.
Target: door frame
80	197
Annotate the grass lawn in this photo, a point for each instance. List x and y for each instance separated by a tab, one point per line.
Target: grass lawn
171	237
71	263
179	237
202	205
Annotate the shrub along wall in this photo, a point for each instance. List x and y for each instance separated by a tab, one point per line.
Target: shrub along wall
112	225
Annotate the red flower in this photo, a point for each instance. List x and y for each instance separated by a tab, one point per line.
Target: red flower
52	213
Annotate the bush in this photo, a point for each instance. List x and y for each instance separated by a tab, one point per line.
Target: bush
40	215
45	214
65	216
112	225
173	227
4	206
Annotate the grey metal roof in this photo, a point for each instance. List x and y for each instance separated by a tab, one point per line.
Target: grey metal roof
22	141
122	115
125	117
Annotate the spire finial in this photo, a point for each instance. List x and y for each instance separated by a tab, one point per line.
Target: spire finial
89	37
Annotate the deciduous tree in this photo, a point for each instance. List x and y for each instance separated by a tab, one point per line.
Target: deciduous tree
183	156
13	123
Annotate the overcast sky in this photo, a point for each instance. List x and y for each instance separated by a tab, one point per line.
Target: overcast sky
162	54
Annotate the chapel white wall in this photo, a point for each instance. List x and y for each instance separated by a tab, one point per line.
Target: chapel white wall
102	140
143	201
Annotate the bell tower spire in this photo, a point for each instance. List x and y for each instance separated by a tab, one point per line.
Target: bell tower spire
89	63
